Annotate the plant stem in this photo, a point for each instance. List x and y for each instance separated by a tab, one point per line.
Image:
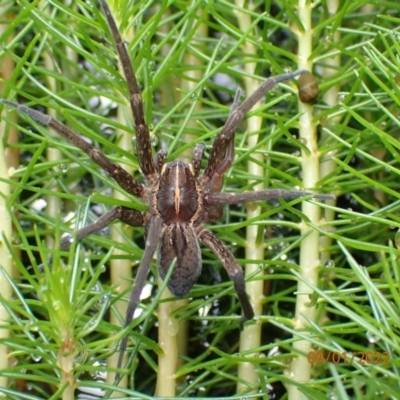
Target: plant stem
5	257
168	328
121	268
300	369
53	155
9	159
330	97
250	337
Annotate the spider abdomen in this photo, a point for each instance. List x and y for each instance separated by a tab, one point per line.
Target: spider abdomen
176	194
179	241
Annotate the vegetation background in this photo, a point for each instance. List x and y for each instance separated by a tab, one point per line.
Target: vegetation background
323	277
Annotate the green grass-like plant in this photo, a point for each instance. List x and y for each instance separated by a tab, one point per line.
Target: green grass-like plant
323	277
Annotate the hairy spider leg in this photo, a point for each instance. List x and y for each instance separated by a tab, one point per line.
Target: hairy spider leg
143	143
122	177
223	139
234	270
260	195
127	215
154	231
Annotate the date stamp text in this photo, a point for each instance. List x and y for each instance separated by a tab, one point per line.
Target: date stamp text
359	357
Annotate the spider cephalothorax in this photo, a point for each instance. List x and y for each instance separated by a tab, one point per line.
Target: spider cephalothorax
180	198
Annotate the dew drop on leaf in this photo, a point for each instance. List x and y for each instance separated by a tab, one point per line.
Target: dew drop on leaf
172	327
36	358
332	396
397	239
151	65
329	264
63	167
372	338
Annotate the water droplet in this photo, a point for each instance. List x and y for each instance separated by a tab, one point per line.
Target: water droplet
104	300
397	239
96	288
372	338
303	140
340	98
329	264
154	140
332	395
173	326
151	65
56	304
36	358
33	327
63	167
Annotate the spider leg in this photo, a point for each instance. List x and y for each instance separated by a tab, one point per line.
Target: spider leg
123	178
231	266
144	150
126	215
160	159
153	234
198	154
260	195
217	178
224	138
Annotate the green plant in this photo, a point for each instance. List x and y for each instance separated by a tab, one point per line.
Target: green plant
341	262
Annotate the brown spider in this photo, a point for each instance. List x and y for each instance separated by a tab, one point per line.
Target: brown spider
180	199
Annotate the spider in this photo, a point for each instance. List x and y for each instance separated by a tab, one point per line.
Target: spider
180	198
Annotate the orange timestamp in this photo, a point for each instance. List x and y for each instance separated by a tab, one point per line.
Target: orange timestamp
358	357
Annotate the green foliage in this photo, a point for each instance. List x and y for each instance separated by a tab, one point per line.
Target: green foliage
65	63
